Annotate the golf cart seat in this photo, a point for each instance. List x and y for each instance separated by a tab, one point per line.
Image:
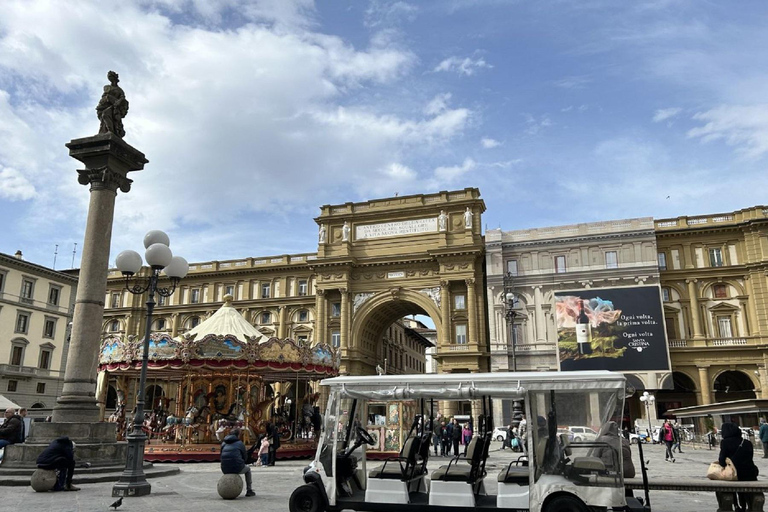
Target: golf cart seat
454	472
401	467
582	465
516	473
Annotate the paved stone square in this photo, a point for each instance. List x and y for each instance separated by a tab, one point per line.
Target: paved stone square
194	489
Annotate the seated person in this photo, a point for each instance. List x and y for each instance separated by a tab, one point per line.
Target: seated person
233	460
11	430
60	456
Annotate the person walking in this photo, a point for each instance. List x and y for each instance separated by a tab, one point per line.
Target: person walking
274	442
455	436
667	436
678	437
522	428
447	439
233	460
60	456
763	433
466	437
741	453
437	436
263	452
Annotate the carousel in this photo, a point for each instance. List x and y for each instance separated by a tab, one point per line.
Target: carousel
220	375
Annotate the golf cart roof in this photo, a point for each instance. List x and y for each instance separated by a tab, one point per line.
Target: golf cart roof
461	386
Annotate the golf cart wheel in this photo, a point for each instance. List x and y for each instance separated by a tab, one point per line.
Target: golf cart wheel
499	438
306	499
635	440
565	503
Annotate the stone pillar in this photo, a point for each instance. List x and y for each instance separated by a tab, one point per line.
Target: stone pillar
445	313
320	334
107	160
174	325
281	327
344	318
102	387
541	327
471	312
693	293
706	392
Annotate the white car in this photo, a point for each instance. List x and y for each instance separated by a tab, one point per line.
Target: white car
583	434
500	433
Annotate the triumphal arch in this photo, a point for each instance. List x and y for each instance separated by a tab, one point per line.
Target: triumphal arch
384	259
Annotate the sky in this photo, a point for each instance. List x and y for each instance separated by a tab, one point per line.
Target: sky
255	113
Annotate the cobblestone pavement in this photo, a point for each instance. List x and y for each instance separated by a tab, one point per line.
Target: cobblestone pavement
195	488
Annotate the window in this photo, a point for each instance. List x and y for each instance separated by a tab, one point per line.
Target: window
724	326
41	387
17	355
266	317
302	287
302	340
265	291
115	303
193	322
662	258
114	326
665	294
22	322
715	258
720	291
53	295
611	259
12	385
194	296
336	309
559	264
461	334
160	324
45	359
459	302
303	315
336	339
512	267
2	280
27	290
49	329
162	300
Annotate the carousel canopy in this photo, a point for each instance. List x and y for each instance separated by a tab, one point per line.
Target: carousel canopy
225	340
227	320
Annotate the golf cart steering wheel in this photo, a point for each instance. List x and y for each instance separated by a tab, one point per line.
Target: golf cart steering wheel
365	436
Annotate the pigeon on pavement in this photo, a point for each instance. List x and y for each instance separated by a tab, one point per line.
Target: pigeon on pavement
117	503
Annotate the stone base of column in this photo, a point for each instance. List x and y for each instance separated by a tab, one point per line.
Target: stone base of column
76	410
94	443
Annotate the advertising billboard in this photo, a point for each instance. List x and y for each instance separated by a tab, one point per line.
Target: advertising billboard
619	329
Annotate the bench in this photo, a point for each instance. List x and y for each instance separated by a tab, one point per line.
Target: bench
723	490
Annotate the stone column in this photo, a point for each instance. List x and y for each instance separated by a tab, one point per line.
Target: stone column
471	312
706	393
344	318
320	334
107	160
281	327
445	313
541	327
693	293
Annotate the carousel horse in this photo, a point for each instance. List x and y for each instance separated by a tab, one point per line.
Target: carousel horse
194	425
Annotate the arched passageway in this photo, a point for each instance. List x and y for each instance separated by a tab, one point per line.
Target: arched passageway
734	385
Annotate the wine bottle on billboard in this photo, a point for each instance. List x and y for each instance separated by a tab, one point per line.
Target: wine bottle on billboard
583	331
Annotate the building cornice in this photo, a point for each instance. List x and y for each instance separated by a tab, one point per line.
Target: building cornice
25	266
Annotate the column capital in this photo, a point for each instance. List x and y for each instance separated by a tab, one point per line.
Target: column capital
470	281
691	281
445	283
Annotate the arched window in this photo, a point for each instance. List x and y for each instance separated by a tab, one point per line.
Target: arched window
114	326
193	322
303	315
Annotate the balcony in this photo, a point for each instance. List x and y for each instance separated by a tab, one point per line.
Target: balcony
716	342
25	371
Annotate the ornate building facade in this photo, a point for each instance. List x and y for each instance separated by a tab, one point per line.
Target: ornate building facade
538	263
714	278
35	310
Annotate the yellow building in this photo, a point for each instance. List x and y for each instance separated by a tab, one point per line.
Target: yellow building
35	311
715	292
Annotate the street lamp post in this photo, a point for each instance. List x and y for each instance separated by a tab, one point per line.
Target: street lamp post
133	482
648	400
509	305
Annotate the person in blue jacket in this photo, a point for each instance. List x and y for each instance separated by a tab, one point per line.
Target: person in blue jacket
233	457
60	456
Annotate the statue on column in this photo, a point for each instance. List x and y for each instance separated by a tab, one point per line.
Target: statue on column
112	107
321	234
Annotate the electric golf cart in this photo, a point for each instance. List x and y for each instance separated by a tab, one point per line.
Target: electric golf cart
554	475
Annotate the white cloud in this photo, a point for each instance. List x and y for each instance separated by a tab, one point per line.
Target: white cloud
226	117
742	126
489	143
465	66
451	174
572	82
666	113
389	13
14	186
534	125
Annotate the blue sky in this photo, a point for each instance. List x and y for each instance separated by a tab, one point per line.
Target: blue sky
255	113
